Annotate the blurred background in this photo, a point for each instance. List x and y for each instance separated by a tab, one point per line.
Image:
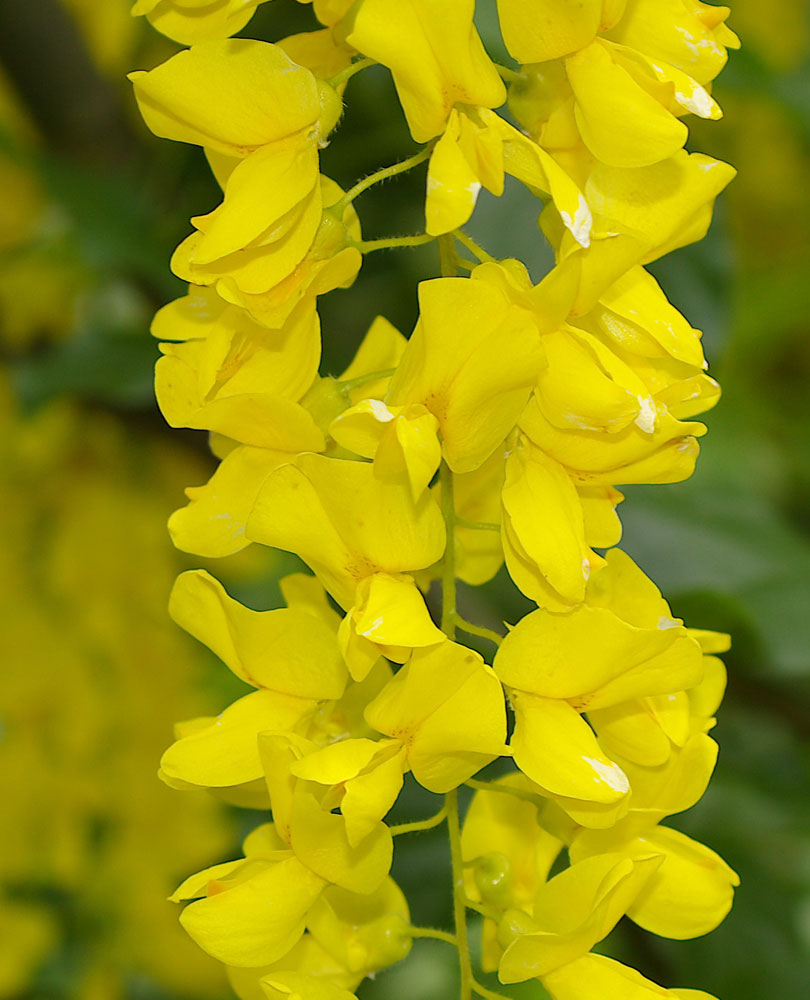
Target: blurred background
94	673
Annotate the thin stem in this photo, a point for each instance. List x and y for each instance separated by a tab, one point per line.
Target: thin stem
485	911
380	175
346	385
449	565
510	75
392	243
459	907
482	991
472	246
518	793
348	73
420	824
430	932
447	256
462	522
471	629
466	264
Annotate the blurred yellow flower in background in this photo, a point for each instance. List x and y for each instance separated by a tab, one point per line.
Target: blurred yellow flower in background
94	675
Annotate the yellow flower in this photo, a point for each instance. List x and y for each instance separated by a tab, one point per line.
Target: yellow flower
290	655
640	214
443	736
320	838
549	559
471	361
538	30
476	149
193	21
597	655
345	522
251	911
389	618
691	892
434	54
308	255
364	778
213	523
446	707
307	958
329	12
233	97
231	376
364	933
479	553
402	440
619	96
266	156
571	913
594	977
507	853
686	33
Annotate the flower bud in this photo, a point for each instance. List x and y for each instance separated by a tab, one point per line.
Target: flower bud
331	110
493	877
513	925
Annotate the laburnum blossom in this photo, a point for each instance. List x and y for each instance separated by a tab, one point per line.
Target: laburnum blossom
289	655
311	507
192	21
442	737
617	76
348	937
498	434
264	258
214	522
435	56
471	362
598	655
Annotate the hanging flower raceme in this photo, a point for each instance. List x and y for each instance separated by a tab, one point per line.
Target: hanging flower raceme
499	432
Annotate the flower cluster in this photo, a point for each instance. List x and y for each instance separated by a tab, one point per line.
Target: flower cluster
498	432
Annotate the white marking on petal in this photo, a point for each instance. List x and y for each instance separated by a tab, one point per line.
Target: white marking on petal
665	623
580	225
380	411
646	414
377	623
611	774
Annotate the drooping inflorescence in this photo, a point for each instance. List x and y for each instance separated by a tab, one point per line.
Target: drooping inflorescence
498	432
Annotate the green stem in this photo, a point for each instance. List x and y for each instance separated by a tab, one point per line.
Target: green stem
392	243
348	73
467	265
346	385
482	991
485	911
472	246
471	629
447	256
510	75
517	793
477	525
420	824
378	176
430	932
459	907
